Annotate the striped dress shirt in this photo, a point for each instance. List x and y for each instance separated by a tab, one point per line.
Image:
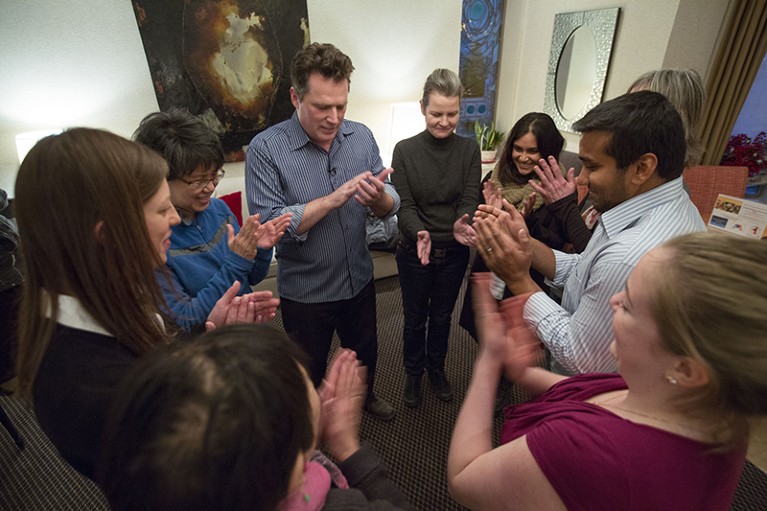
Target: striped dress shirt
284	171
579	332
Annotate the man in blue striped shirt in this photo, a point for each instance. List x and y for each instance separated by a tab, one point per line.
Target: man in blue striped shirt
327	172
633	153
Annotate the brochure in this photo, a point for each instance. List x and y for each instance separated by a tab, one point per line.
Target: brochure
739	216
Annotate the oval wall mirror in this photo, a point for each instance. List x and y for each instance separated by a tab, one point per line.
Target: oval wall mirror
580	54
576	72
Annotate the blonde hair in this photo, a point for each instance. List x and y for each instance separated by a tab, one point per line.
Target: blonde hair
444	82
684	89
711	304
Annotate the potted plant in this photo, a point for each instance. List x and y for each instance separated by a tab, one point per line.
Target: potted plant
488	139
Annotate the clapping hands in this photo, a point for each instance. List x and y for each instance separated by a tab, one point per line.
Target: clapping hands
342	395
256	307
503	333
503	241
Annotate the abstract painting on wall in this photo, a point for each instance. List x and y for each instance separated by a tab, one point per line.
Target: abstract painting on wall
481	22
226	61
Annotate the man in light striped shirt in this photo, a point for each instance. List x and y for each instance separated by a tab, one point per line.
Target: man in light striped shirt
327	172
633	152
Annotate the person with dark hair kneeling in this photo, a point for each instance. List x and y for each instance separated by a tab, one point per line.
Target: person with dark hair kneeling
232	421
669	432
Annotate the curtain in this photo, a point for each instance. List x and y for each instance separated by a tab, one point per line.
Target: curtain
741	50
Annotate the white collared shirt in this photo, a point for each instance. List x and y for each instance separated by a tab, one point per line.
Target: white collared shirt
74	315
579	332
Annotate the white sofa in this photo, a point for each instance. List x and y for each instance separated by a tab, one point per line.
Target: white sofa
384	264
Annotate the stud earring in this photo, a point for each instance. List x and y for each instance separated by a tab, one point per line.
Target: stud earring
671	380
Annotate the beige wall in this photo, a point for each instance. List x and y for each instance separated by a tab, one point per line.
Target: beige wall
394	45
82	63
651	34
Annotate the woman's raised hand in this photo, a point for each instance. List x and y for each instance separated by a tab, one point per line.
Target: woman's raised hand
552	185
245	243
492	194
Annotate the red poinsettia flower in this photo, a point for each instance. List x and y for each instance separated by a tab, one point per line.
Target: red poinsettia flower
742	151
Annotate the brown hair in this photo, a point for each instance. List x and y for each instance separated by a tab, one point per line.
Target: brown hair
548	140
68	185
325	59
710	303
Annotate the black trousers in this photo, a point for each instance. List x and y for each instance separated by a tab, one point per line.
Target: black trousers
428	296
311	325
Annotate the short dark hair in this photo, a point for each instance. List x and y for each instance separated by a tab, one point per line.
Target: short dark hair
547	137
639	123
185	141
685	90
325	59
212	424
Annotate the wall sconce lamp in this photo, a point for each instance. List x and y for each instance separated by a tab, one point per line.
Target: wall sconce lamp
406	121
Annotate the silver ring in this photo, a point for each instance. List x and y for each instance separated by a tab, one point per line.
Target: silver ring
489	249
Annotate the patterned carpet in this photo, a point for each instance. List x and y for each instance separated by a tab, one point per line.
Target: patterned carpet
414	445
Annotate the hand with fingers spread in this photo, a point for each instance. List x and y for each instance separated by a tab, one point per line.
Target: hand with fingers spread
491	194
342	395
245	243
423	247
463	232
552	185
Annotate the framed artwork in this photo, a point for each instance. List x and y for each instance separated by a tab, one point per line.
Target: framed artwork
228	61
481	22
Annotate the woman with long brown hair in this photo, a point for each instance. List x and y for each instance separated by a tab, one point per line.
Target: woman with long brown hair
94	217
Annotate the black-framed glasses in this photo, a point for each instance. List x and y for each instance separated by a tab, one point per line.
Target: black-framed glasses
202	183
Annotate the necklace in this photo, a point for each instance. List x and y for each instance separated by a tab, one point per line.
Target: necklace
606	403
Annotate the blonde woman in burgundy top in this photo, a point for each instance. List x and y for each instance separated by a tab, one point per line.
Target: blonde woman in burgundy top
669	431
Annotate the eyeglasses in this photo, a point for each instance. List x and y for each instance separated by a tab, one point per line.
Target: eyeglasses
202	183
